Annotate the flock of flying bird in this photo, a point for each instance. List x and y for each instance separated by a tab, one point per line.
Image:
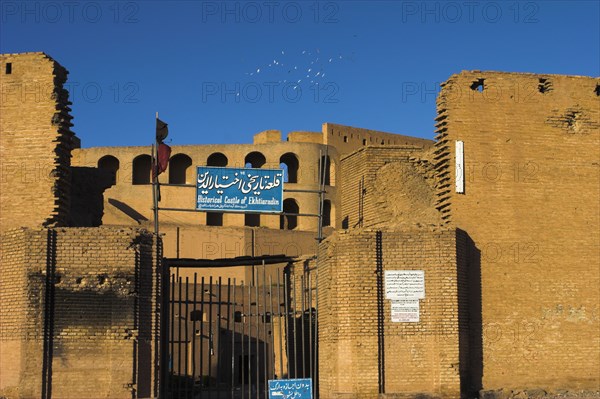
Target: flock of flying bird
310	68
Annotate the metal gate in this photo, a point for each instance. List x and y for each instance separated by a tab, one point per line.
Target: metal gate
227	336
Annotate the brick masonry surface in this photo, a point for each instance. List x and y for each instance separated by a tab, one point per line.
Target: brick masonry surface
532	183
35	142
368	354
77	314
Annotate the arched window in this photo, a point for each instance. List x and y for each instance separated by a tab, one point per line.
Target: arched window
326	213
289	163
180	169
252	219
142	165
110	164
254	160
289	222
329	170
216	159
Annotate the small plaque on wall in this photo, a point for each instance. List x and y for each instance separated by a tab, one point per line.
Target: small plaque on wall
405	311
404	284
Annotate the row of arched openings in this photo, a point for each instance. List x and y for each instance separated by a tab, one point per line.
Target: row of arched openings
181	170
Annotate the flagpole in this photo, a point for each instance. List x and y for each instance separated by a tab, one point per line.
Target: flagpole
160	362
155	181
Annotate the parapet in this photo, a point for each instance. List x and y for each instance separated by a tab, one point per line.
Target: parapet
305	137
267	136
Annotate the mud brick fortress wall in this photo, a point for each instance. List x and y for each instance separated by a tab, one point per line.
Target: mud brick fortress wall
531	207
35	143
368	354
79	305
77	317
527	267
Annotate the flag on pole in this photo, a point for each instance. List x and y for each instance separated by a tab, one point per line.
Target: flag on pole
162	159
162	131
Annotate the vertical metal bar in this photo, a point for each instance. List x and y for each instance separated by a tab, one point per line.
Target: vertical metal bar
172	337
195	323
249	362
302	326
233	339
186	347
179	339
316	347
265	339
287	326
228	325
202	335
281	319
210	330
218	331
310	326
243	364
272	339
295	335
257	341
155	185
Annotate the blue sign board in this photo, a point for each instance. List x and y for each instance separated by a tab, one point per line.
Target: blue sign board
300	388
239	189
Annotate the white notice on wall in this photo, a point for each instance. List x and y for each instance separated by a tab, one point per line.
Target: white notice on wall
405	311
404	284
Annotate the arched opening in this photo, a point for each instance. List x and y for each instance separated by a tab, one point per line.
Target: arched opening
252	219
214	218
326	213
290	165
216	159
289	222
180	169
141	167
238	316
254	160
110	164
329	170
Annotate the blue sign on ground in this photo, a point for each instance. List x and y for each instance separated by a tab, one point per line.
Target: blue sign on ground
239	189
300	388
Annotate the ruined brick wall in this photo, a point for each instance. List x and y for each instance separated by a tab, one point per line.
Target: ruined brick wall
531	207
78	315
387	185
360	349
35	141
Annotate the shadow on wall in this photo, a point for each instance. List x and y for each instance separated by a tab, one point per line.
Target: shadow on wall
87	195
129	211
104	310
469	315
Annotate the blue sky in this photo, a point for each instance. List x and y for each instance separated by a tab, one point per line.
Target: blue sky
218	72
